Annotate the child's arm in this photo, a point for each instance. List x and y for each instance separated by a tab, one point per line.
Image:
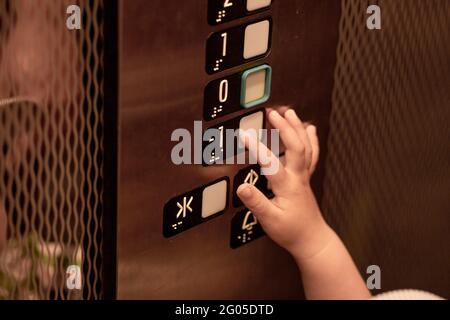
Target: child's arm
293	218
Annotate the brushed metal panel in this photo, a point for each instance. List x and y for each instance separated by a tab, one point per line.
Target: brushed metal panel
162	78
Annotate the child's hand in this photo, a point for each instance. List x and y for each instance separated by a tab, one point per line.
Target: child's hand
292	218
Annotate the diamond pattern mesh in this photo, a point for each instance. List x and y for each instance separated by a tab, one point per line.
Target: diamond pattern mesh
388	179
51	104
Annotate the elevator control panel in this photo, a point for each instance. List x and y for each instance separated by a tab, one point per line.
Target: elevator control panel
191	74
243	91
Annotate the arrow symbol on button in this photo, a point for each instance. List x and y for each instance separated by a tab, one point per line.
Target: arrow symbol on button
184	207
252	177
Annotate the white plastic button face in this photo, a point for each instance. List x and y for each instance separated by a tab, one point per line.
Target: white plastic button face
253	122
255	86
256	39
214	199
253	5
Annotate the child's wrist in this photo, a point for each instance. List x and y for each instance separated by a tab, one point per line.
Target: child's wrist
313	242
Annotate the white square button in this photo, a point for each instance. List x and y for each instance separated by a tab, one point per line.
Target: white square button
253	5
252	122
214	198
256	39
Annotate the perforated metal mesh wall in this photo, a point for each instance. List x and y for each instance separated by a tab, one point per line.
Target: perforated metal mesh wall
388	168
51	120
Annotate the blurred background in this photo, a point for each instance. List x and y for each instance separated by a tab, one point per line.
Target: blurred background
51	105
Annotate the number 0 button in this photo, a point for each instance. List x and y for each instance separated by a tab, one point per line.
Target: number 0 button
246	89
255	86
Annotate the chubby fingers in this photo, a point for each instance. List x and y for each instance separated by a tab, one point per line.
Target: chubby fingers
312	135
271	165
295	140
257	202
299	127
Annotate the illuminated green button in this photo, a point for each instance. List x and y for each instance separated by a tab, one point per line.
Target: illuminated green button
255	86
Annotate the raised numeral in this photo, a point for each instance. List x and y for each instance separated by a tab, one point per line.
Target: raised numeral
223	91
224	45
227	3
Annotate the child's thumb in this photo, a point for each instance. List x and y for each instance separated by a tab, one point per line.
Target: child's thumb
255	201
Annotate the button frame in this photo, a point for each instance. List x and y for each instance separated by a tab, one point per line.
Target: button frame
267	86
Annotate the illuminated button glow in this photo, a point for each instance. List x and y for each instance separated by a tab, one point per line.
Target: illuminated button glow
214	199
255	86
253	5
256	39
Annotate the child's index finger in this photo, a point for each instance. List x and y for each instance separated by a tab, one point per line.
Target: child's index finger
271	165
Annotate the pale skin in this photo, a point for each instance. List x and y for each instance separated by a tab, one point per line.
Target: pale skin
293	218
